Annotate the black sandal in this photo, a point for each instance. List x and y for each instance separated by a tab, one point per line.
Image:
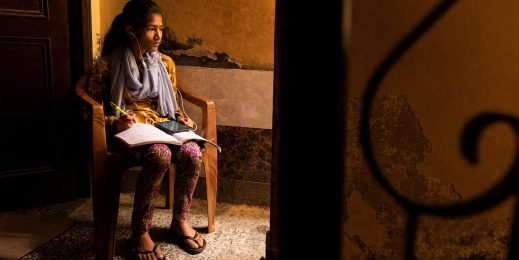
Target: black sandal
179	239
136	252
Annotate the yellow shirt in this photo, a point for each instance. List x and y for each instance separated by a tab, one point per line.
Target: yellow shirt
144	110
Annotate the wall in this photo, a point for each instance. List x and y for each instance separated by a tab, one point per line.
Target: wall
466	64
243	30
96	28
103	13
225	51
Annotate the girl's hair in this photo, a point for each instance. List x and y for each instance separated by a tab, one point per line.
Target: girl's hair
135	13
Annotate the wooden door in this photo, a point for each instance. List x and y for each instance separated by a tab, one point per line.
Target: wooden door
36	138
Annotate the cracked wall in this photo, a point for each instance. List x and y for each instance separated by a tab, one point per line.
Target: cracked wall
464	65
375	224
208	33
240	32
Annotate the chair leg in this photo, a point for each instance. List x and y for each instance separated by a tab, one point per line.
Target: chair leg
211	174
170	192
105	203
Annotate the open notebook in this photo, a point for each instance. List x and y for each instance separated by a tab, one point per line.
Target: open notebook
141	134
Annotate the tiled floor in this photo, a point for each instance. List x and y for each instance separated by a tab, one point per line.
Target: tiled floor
240	231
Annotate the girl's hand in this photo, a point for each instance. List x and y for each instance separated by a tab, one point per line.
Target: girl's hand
124	122
185	120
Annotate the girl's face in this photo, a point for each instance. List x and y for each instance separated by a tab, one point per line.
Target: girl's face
150	35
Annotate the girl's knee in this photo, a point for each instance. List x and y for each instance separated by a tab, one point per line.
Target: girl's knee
159	153
192	151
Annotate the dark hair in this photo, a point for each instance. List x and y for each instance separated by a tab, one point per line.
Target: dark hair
135	13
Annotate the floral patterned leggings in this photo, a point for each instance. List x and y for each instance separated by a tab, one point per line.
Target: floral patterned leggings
156	160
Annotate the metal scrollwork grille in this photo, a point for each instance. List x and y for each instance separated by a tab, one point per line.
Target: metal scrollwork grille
470	136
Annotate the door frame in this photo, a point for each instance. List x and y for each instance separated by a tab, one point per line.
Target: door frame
81	61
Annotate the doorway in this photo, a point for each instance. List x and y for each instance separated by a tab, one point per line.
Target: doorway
37	159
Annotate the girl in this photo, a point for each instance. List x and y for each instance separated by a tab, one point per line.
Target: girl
134	75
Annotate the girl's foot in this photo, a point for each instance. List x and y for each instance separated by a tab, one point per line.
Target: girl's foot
190	237
144	248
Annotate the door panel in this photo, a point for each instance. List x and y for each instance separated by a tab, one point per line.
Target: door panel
24	8
36	165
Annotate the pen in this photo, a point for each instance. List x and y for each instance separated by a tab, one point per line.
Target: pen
118	108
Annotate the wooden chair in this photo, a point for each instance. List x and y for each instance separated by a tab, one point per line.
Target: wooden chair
106	167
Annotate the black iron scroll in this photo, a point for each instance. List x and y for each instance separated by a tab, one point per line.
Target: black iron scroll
471	133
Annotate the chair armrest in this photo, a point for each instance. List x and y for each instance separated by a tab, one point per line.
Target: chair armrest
93	118
92	105
208	111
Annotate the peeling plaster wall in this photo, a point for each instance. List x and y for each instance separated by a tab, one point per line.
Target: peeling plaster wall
243	30
466	64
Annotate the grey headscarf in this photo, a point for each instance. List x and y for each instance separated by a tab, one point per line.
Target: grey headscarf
156	82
